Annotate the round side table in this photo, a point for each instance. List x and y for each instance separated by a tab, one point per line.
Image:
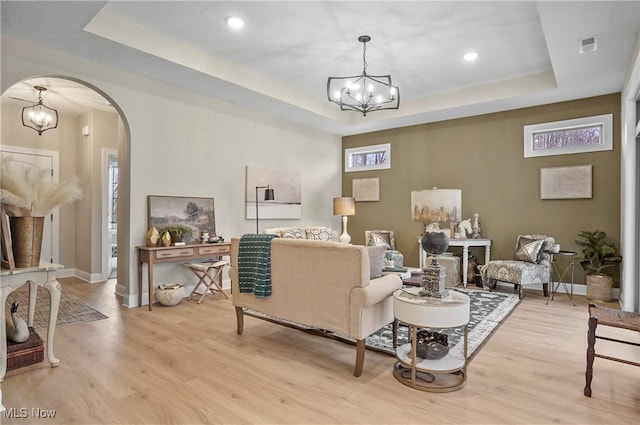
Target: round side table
561	272
447	373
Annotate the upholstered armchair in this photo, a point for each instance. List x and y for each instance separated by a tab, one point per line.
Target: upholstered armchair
530	265
387	239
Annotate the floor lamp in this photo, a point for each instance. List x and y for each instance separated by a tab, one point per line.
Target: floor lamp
344	207
268	196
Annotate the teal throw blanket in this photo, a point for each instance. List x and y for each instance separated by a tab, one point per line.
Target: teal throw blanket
254	264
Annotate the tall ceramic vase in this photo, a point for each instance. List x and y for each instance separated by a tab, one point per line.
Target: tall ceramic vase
26	238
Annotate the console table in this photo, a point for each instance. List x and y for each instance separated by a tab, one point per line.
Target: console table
465	244
165	254
45	276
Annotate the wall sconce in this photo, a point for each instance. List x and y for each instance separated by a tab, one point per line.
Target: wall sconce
268	196
39	116
344	207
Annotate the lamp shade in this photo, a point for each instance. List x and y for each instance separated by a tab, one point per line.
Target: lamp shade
269	194
344	206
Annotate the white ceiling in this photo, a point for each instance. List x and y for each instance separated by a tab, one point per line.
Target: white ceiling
279	62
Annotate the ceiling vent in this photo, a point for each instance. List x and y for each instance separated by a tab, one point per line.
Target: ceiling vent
587	45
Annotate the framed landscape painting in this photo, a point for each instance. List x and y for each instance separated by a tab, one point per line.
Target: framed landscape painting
197	214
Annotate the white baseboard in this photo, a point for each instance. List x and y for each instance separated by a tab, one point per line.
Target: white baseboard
131	300
578	288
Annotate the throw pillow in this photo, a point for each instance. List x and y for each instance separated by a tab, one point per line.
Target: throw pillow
376	260
528	250
293	234
380	239
318	233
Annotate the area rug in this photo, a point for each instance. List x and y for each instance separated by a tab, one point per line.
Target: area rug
487	311
72	309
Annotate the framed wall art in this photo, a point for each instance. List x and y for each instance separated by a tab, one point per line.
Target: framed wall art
287	188
7	247
198	214
574	182
364	190
441	206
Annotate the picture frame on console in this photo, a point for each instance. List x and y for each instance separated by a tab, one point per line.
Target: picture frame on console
196	213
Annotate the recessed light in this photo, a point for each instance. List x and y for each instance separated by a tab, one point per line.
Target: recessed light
235	22
470	57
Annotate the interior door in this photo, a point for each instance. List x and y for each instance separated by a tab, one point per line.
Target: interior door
41	159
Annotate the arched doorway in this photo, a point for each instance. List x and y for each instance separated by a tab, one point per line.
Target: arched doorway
91	125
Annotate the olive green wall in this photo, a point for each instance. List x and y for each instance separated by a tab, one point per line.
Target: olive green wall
484	156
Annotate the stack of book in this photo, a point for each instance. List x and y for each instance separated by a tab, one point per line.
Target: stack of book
403	272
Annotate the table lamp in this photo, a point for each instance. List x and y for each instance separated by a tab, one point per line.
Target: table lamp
344	207
268	196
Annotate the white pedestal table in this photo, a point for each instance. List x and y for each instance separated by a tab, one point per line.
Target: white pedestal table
45	276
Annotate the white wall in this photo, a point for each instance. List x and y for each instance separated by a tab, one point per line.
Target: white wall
184	144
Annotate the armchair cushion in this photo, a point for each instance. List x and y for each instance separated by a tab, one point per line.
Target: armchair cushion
528	249
380	238
518	272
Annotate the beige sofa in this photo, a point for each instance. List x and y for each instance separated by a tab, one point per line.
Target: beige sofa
325	285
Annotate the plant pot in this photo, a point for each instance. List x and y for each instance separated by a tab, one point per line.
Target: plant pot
26	238
599	287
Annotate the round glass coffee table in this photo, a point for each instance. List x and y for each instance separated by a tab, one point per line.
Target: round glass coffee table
443	374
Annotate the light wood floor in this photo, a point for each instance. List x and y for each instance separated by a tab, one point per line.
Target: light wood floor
186	365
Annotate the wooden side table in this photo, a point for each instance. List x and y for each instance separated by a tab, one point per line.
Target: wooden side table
164	254
447	373
45	276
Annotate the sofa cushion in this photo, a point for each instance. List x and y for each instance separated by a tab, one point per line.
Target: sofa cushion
318	233
528	250
293	233
376	260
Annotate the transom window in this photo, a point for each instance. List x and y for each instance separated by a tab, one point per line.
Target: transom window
374	157
589	134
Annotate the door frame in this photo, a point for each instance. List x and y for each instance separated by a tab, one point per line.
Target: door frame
106	237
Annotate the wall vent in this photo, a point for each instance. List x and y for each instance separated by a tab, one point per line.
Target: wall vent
587	45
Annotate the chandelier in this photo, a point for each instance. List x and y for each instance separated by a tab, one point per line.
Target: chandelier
39	116
363	93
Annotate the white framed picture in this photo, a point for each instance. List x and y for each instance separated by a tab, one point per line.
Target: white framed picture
366	189
573	182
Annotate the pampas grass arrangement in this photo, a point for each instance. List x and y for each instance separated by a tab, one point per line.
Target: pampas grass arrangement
28	191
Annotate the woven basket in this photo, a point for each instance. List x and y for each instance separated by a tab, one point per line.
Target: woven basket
26	353
599	287
26	238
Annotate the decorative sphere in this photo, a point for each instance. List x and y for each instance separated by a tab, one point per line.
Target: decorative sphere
435	242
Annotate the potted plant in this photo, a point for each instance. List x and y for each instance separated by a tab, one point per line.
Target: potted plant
178	233
598	257
27	195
